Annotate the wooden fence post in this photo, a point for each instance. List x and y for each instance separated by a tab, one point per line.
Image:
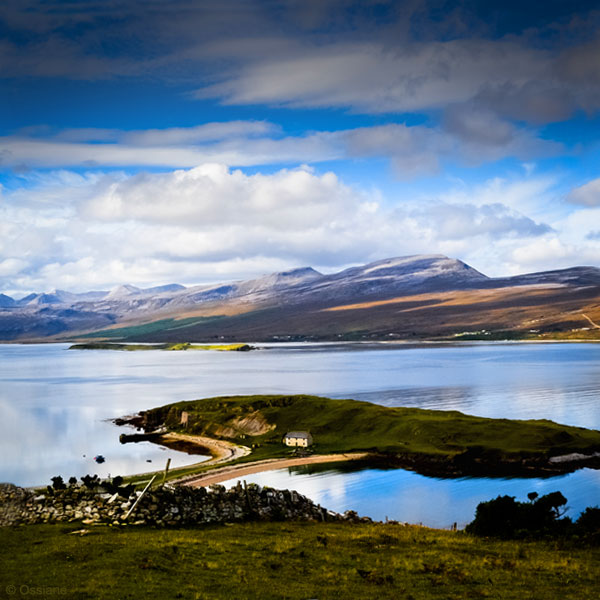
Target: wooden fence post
139	498
166	471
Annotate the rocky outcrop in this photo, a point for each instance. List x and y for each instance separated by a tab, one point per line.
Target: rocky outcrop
164	506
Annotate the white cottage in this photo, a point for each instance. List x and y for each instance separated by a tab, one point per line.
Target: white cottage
298	438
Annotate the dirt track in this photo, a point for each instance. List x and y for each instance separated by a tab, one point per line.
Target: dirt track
233	471
592	323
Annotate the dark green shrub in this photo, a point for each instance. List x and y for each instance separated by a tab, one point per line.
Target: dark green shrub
90	481
58	483
504	517
588	525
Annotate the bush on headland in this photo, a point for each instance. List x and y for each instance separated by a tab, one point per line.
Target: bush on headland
541	517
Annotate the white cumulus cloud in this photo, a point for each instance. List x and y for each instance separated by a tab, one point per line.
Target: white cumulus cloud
212	223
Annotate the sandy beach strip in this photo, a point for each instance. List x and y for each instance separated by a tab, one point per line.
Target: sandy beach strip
220	450
234	471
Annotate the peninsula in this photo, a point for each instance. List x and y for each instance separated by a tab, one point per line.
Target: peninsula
438	443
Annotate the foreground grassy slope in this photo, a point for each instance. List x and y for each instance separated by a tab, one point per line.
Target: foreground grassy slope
292	560
350	425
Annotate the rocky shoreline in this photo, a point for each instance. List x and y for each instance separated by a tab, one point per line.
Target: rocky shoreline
478	463
165	506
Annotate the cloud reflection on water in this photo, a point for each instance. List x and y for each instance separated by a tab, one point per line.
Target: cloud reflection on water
54	405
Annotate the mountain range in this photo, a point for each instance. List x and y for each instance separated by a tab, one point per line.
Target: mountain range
412	297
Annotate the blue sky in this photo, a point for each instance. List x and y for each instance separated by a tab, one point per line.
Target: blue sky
151	142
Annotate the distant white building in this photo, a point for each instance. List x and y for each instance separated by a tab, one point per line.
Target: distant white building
298	438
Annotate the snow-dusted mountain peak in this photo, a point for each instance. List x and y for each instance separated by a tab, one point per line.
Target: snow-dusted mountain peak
122	291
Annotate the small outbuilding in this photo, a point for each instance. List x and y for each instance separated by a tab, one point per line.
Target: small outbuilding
185	417
298	438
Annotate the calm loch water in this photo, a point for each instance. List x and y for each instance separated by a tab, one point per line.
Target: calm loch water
55	407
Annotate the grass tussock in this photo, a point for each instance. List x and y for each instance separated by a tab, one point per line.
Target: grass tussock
293	560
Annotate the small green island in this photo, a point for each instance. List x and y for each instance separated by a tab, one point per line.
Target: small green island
431	442
181	346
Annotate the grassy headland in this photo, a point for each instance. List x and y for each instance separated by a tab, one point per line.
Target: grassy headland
175	346
291	560
444	443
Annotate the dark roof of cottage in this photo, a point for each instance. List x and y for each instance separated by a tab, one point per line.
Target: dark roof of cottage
298	434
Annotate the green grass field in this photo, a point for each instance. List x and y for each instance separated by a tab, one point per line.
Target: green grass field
146	328
290	560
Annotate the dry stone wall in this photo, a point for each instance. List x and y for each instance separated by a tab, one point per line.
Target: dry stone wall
164	506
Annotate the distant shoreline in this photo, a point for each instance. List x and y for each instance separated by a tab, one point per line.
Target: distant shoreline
329	343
